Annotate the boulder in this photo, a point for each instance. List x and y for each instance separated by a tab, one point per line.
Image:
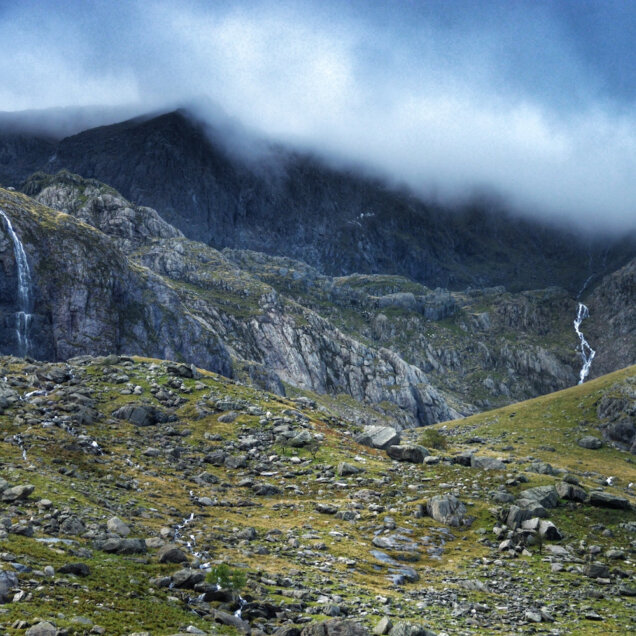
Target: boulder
8	580
571	492
171	553
17	492
117	526
591	442
141	414
43	628
446	509
547	496
378	437
405	628
487	463
408	453
604	499
335	627
79	569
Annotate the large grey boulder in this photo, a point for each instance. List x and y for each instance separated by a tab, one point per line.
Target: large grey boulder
142	414
405	628
446	509
571	492
486	463
335	627
591	442
44	628
378	437
8	580
547	496
604	499
408	453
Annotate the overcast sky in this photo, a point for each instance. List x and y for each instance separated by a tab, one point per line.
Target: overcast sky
533	99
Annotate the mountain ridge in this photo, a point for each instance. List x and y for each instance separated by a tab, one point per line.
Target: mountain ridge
335	220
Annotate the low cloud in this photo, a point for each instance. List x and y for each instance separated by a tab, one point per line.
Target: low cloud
449	100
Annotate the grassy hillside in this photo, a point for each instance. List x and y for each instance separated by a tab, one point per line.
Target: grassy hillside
325	529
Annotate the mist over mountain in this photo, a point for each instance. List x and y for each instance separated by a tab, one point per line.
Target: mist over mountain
533	101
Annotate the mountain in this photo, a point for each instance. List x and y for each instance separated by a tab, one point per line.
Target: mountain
126	480
110	276
285	203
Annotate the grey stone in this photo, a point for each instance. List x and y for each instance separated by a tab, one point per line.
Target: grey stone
547	496
446	509
17	492
590	442
607	500
378	437
405	628
8	580
43	628
79	569
571	492
117	526
383	626
487	463
408	453
171	553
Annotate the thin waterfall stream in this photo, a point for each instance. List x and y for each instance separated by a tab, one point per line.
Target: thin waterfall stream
25	302
586	352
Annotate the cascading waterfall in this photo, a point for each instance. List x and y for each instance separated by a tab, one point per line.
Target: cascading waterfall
587	353
25	309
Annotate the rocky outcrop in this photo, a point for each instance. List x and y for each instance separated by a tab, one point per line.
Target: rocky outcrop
143	288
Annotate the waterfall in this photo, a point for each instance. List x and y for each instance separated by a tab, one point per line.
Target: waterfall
587	353
25	309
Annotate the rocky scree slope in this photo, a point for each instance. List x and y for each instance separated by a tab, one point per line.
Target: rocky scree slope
484	347
125	480
292	204
167	296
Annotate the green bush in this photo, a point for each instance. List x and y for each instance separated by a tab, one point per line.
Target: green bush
432	438
226	577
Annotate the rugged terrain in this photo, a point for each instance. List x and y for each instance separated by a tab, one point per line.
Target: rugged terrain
110	276
125	478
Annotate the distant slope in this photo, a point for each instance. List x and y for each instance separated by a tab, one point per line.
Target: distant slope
336	220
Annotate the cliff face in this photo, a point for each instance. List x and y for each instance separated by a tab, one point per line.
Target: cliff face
144	288
334	219
110	276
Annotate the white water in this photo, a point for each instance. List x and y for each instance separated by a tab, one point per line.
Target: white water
587	353
25	310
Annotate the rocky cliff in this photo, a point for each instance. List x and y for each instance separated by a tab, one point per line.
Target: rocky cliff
288	203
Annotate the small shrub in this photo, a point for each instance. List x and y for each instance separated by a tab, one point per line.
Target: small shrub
432	438
226	578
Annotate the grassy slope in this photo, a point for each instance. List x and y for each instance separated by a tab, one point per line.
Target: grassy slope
119	596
